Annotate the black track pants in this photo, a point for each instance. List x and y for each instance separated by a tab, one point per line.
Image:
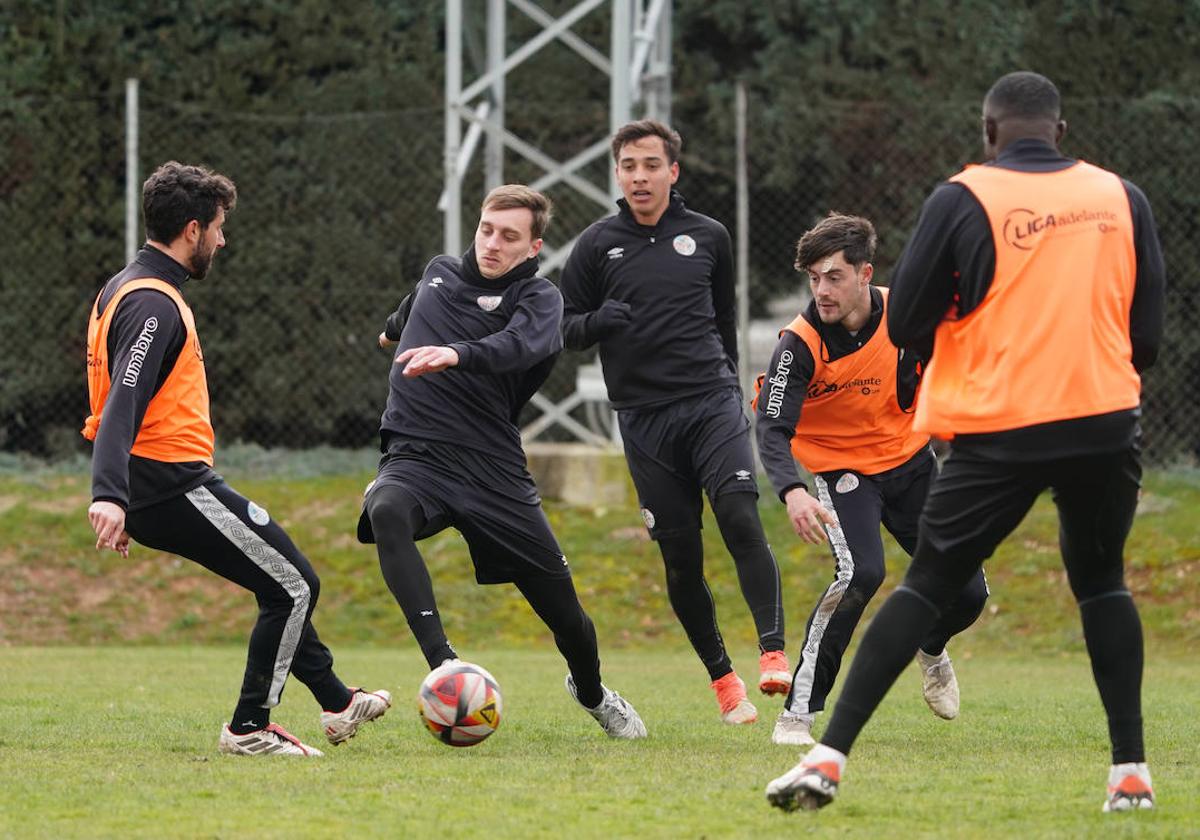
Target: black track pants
226	533
977	502
862	503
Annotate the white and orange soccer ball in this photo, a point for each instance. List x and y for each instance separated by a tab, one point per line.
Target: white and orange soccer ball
460	703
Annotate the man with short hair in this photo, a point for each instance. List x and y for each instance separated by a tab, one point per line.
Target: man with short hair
838	396
477	337
152	475
653	285
1040	281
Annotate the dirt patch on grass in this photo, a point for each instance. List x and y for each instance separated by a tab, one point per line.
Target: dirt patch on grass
141	601
60	504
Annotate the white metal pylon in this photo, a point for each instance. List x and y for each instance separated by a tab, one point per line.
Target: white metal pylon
638	64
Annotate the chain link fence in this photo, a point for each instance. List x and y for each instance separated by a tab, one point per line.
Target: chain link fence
337	216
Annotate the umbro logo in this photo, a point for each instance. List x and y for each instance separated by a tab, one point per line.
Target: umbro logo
436	281
742	475
616	253
426	612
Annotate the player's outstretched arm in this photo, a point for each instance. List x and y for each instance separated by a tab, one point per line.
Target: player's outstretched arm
532	334
419	361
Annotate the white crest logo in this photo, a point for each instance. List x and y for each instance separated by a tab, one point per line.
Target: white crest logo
436	281
742	475
488	302
648	517
616	253
258	516
684	245
847	483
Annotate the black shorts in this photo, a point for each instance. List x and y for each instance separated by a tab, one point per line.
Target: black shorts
676	450
492	503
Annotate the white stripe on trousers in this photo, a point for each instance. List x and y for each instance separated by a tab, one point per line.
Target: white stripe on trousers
802	680
267	558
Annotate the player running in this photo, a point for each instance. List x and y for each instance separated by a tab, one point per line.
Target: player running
838	396
152	464
653	285
1040	279
477	337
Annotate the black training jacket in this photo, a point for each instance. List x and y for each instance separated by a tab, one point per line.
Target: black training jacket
507	333
677	278
128	480
950	260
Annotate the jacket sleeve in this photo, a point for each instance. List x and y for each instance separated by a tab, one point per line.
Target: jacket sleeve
779	403
724	292
1146	312
394	326
146	326
533	334
582	295
946	267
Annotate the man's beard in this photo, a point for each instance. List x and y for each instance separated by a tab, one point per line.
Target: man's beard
201	261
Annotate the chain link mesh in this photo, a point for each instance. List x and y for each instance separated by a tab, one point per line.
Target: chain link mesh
337	216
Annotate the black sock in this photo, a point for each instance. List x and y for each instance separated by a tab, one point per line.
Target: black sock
247	719
1113	633
331	693
887	647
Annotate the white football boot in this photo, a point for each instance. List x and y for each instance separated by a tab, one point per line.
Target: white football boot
1129	788
616	717
793	729
811	784
939	685
364	706
274	740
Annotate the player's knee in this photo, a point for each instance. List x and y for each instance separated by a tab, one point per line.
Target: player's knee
737	517
866	581
391	511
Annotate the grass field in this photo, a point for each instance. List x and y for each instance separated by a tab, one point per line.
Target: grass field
116	674
120	742
55	588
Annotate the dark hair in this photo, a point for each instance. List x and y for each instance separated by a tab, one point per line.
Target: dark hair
837	232
177	193
1024	95
634	131
511	196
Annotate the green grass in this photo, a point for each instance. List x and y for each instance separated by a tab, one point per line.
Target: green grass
121	742
55	588
117	738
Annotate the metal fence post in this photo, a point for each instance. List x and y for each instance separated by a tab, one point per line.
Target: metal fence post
131	169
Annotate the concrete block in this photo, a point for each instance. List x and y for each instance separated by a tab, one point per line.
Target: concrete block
581	474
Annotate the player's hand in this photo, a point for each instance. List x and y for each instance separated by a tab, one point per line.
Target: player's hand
613	317
418	361
807	515
385	342
108	521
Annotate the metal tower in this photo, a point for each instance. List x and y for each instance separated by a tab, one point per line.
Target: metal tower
638	63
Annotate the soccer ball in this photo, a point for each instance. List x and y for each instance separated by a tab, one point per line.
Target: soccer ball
459	703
